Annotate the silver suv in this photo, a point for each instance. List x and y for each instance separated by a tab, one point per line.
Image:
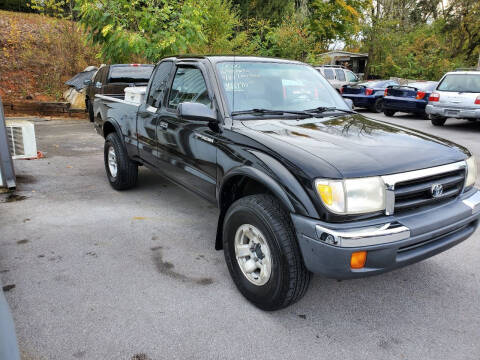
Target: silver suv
456	96
338	76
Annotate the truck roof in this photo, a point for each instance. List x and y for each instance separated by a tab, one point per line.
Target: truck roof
222	58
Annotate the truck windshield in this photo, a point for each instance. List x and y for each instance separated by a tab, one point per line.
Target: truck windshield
460	83
131	74
276	86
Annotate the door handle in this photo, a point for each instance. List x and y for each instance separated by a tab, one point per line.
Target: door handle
150	110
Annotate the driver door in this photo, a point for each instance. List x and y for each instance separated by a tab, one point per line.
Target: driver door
188	147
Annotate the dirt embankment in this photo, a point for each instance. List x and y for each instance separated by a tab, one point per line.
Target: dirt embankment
38	54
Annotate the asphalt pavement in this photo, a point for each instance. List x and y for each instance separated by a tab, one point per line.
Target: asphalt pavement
92	273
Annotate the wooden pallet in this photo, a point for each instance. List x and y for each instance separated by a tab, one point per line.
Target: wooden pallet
42	108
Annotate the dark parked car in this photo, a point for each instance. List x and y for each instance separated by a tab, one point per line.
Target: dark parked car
113	79
411	98
367	94
303	184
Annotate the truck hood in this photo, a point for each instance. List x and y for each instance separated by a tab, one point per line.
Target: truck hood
354	145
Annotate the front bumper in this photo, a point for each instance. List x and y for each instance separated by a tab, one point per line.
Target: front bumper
452	112
391	241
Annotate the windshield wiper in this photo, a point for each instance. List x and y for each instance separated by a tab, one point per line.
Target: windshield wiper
323	109
269	112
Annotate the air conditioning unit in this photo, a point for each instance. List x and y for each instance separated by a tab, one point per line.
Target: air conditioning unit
21	139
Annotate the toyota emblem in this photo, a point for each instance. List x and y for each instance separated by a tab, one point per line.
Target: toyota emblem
437	190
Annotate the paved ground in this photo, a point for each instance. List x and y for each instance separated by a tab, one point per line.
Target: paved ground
100	274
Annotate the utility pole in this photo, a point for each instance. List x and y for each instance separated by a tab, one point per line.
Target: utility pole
478	63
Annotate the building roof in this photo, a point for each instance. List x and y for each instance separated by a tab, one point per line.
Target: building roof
335	53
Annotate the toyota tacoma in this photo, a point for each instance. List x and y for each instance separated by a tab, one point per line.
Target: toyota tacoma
303	183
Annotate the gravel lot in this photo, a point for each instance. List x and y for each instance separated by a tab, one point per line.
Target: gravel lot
101	274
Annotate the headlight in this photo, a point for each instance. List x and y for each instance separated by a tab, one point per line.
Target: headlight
352	196
471	172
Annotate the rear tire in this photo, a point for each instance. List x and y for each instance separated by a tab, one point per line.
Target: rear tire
438	121
122	173
389	113
377	106
91	116
279	278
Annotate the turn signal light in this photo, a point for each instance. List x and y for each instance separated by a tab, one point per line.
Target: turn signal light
368	91
434	97
420	95
326	194
477	100
358	259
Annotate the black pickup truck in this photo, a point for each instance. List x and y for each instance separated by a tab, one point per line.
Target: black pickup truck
303	183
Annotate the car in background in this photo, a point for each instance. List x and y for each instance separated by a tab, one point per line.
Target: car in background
113	79
456	96
368	94
411	98
338	76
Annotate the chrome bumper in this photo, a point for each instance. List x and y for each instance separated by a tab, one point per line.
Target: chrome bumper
378	234
452	112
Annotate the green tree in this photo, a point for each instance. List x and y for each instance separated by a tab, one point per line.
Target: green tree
151	29
336	20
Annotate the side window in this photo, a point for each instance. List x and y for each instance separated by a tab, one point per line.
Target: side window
351	77
188	86
328	74
340	74
159	83
98	76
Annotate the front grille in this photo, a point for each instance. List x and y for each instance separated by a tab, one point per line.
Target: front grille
416	193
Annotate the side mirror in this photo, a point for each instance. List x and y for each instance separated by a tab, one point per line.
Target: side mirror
196	112
87	82
98	85
349	102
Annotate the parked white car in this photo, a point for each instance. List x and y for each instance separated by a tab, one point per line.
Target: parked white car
456	96
338	76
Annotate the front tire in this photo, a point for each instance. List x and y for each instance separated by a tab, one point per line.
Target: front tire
389	113
122	173
262	253
437	121
377	106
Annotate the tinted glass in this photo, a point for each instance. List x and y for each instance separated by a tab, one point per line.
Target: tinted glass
276	86
159	83
328	73
99	77
340	74
351	77
461	83
188	86
131	73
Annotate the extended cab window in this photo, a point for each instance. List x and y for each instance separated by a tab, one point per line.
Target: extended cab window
340	74
188	86
159	83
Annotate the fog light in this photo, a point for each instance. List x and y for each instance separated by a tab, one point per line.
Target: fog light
357	261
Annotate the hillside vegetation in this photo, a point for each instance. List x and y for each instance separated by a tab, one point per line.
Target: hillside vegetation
38	54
